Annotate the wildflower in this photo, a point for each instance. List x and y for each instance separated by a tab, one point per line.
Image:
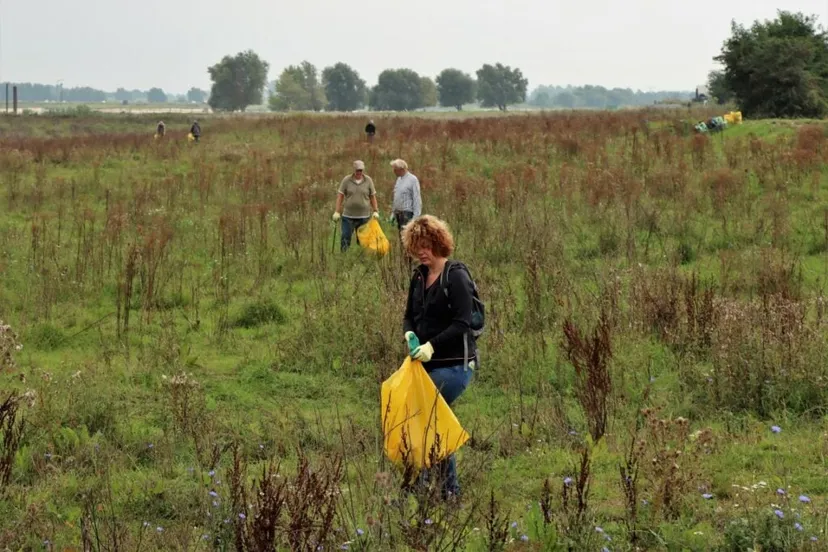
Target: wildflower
212	473
159	529
514	525
524	538
599	529
213	494
47	456
781	492
242	517
46	542
804	499
573	432
190	470
652	379
813	539
605	549
707	496
205	537
226	521
429	521
150	446
215	504
776	429
146	524
567	481
360	532
779	513
798	526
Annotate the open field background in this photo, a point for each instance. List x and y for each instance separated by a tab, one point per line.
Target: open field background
653	375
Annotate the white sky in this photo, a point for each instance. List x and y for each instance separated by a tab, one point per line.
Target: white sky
646	44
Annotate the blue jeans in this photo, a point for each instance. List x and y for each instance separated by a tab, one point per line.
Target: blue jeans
451	382
349	226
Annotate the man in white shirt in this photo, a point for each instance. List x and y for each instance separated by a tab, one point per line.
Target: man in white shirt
408	203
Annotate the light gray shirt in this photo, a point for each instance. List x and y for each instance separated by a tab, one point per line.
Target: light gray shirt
407	194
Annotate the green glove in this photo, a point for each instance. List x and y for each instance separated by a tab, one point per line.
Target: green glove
413	342
423	353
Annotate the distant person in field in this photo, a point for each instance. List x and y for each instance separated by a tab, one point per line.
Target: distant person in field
195	130
370	131
356	202
408	203
160	130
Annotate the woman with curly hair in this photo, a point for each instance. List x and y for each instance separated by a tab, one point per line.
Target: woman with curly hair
439	313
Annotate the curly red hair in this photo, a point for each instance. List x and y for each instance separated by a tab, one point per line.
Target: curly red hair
429	232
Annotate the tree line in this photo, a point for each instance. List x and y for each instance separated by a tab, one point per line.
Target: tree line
239	81
33	92
598	97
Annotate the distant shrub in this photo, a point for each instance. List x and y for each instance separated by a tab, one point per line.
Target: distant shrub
257	314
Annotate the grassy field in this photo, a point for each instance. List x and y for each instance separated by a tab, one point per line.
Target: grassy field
190	363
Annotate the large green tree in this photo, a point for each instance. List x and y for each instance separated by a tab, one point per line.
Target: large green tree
500	86
344	88
298	89
778	68
238	81
397	90
455	88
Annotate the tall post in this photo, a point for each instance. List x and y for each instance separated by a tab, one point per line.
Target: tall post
7	97
14	100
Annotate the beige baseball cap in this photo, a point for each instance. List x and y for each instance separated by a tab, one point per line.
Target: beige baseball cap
359	166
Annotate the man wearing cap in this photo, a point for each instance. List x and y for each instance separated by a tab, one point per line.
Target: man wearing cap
356	202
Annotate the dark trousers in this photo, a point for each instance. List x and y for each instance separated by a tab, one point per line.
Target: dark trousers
402	218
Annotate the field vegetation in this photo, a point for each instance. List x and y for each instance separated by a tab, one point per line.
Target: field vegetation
187	362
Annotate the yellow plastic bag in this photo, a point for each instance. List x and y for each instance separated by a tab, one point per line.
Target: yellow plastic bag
190	137
733	118
371	237
418	425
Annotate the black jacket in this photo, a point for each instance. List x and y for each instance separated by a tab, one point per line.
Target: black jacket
370	129
441	318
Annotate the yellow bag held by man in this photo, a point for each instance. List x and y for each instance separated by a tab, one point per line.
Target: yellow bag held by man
417	423
371	237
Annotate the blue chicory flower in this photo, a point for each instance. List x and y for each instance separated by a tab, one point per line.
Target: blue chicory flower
779	513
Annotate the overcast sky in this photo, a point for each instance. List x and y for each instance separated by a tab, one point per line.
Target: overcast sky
646	44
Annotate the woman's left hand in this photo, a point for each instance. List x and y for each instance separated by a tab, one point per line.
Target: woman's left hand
423	353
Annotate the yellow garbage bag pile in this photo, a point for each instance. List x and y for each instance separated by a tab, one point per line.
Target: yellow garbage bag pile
372	238
418	425
733	118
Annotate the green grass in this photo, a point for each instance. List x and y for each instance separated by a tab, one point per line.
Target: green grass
247	327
